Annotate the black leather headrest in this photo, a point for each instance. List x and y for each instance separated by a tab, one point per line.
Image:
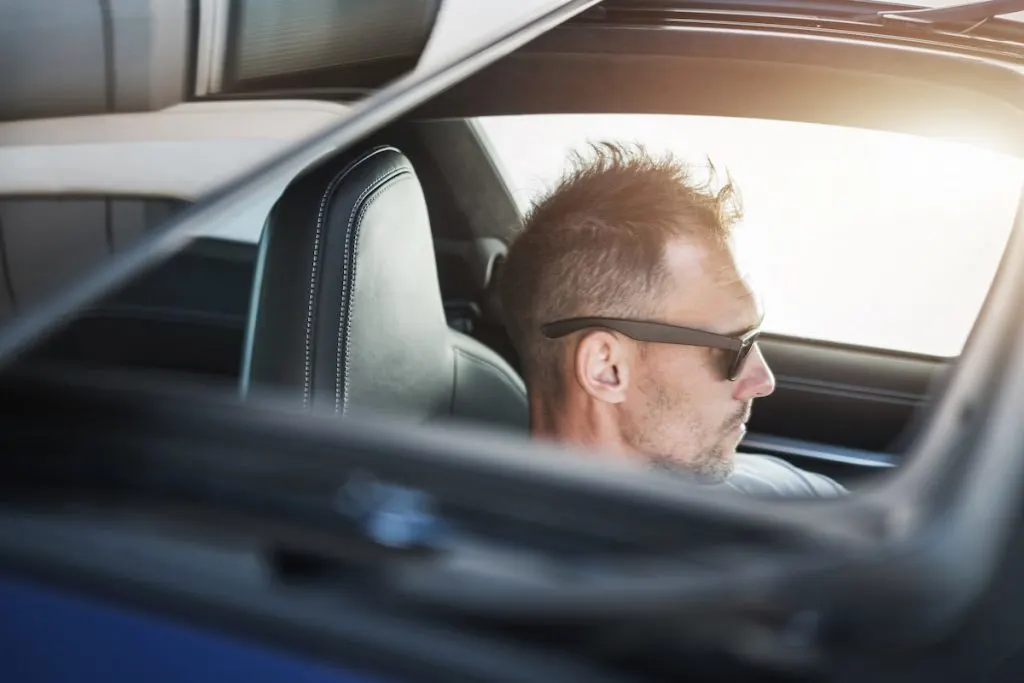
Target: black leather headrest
347	311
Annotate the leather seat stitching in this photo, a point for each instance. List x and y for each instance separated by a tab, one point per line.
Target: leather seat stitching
331	187
377	188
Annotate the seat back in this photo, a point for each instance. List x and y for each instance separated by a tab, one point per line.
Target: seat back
347	313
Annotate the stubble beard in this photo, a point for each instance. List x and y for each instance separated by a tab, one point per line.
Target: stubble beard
713	465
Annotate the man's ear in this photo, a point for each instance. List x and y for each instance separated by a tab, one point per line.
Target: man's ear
601	366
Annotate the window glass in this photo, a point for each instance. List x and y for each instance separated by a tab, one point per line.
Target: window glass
853	236
46	242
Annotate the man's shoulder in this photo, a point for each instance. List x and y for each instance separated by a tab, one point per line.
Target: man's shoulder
767	475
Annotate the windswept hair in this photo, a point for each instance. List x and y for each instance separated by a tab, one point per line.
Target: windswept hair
594	245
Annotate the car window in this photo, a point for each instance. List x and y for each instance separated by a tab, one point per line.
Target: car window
853	236
48	241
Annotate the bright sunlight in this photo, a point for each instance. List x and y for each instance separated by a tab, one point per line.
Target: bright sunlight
853	236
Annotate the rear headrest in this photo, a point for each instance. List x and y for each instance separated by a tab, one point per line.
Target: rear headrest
346	310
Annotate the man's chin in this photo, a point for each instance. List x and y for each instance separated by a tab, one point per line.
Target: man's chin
716	471
711	468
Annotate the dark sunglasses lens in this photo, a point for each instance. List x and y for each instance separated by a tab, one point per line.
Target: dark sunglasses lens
739	359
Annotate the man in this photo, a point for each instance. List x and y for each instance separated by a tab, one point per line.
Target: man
635	330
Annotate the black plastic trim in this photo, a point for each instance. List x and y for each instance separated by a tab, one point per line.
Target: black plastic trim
5	265
192	49
846	81
108	223
110	73
908	24
777	445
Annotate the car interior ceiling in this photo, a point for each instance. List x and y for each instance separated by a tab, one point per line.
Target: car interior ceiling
188	315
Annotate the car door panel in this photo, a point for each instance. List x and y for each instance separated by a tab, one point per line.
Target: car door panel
827	396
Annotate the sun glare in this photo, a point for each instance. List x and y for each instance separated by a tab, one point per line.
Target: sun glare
850	235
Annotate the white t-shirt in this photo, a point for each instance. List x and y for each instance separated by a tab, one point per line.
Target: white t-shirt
764	475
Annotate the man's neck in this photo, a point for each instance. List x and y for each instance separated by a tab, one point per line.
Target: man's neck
576	423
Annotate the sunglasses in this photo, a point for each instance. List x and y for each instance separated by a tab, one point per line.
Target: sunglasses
663	333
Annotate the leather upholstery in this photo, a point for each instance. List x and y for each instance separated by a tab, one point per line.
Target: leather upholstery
347	314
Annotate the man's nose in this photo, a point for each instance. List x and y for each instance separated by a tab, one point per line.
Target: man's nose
756	379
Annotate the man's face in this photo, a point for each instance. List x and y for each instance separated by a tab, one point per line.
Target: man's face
680	407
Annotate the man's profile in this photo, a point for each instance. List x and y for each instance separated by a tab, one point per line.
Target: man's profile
636	332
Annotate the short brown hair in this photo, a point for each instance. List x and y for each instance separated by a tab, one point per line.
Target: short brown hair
594	245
